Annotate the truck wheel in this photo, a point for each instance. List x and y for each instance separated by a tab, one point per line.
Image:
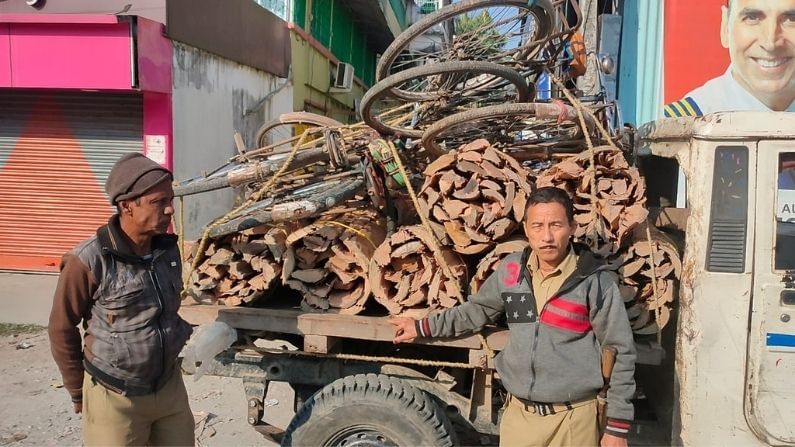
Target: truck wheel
369	410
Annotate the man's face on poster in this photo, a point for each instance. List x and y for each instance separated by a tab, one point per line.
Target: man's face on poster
760	36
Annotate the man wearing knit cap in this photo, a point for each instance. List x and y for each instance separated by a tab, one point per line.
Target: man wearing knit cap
123	285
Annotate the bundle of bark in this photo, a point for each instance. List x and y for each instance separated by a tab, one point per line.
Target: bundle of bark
240	268
606	218
489	263
649	312
406	277
477	193
328	261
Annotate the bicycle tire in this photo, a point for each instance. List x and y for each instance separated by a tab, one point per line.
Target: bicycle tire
385	88
316	198
247	173
292	118
551	113
539	9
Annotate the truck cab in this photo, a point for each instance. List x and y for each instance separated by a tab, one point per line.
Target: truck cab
735	338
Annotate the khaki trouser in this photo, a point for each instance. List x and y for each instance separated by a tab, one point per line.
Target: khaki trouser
160	418
521	426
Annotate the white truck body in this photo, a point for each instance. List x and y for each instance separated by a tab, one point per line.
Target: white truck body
735	355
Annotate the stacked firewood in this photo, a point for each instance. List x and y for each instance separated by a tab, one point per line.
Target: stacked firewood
328	260
407	278
648	309
609	200
241	268
477	193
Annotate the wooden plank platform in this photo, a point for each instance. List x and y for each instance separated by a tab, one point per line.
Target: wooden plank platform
294	321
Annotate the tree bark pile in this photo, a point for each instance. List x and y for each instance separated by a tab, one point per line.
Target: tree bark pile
477	193
328	260
240	269
408	280
489	263
644	308
606	218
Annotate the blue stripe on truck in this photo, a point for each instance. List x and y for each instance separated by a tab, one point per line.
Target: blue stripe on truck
781	340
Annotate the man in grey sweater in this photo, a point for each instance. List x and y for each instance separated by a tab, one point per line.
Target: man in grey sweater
562	305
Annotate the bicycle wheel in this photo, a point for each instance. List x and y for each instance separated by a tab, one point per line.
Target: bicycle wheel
484	30
514	127
300	203
439	90
243	173
288	126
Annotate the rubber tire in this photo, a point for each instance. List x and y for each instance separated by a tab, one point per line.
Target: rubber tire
432	131
403	39
385	86
295	118
401	412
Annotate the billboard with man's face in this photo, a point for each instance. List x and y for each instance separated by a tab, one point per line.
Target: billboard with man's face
729	55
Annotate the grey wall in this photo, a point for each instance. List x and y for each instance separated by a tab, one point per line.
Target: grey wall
212	99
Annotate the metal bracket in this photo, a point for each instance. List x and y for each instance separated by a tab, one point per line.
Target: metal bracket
256	389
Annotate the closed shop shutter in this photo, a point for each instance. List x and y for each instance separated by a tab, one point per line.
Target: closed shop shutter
56	150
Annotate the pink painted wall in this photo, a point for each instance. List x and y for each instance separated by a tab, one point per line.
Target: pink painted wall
67	51
154	57
69	55
5	55
158	133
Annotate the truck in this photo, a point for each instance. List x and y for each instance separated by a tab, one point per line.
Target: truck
722	375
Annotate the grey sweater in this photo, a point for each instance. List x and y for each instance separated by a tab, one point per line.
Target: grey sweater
554	357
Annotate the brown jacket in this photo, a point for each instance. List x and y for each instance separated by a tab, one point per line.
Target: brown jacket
127	306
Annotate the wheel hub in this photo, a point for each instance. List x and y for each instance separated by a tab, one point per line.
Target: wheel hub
361	437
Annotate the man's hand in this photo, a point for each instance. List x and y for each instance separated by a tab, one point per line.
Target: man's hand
406	332
613	441
78	406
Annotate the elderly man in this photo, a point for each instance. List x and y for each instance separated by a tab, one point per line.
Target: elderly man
123	284
561	305
760	36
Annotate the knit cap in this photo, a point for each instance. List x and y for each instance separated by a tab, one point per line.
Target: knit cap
132	176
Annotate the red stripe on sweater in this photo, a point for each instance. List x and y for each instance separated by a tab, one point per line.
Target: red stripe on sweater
569	306
625	425
562	322
426	327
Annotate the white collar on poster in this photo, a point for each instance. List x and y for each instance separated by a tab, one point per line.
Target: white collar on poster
724	94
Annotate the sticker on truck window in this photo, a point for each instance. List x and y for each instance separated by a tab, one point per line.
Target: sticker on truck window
785	211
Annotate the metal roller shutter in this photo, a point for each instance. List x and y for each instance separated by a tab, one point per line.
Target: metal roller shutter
56	150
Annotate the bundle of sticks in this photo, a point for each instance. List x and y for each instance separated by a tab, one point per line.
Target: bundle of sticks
477	193
609	200
328	260
406	277
240	268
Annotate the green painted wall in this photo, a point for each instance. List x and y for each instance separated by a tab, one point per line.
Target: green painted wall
334	26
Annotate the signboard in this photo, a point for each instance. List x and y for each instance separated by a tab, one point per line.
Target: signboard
725	56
